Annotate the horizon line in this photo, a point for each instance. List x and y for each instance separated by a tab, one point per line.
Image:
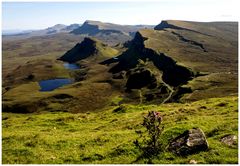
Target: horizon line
33	29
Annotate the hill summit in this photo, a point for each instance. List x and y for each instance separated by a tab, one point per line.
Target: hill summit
89	48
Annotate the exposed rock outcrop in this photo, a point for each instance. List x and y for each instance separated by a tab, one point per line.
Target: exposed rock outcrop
194	43
144	83
191	141
140	78
173	74
165	24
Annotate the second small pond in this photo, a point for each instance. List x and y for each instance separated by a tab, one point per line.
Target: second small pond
49	85
71	66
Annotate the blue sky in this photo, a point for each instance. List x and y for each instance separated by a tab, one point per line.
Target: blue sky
38	15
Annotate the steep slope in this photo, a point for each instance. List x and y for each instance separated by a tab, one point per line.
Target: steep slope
89	48
166	64
184	50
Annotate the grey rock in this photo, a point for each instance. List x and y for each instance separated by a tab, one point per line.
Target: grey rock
229	140
191	141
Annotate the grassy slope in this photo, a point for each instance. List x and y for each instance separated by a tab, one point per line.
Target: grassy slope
219	62
41	69
94	93
91	94
36	49
18	52
107	137
221	55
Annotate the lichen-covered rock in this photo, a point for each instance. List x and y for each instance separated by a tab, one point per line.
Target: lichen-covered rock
229	140
191	141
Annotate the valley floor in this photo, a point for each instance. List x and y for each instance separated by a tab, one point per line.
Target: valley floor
107	136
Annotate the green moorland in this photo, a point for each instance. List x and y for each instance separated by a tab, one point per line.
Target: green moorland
81	122
107	136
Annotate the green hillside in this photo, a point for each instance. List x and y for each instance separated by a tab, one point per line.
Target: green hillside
186	71
107	136
195	55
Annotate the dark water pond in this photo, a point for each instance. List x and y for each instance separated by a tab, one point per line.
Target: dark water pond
49	85
71	66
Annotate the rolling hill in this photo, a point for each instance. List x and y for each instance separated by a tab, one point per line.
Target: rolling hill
185	71
58	28
177	61
107	32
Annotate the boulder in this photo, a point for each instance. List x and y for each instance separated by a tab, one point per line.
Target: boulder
192	162
229	140
190	142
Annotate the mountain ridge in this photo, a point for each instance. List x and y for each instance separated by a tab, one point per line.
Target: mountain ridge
186	49
97	26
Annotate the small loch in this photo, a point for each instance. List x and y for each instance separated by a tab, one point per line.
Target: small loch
71	66
51	84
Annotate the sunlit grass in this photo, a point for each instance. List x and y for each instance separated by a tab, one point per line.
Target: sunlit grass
107	136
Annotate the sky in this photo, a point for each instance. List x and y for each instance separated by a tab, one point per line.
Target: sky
40	15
